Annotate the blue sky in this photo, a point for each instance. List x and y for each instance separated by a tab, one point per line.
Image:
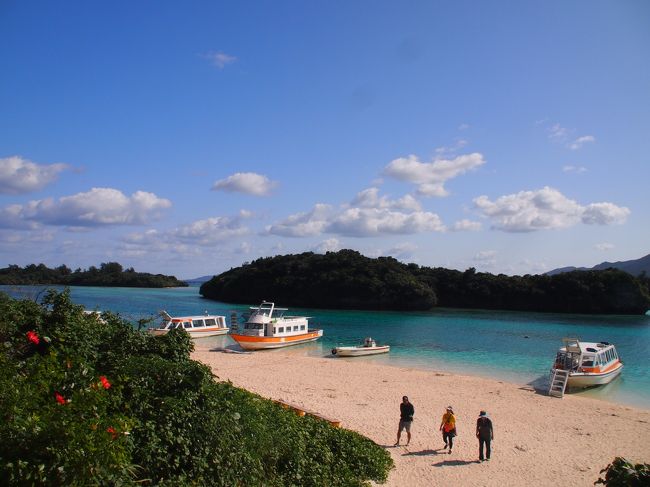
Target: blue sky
190	137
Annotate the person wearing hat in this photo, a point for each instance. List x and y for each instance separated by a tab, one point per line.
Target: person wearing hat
448	428
406	412
485	434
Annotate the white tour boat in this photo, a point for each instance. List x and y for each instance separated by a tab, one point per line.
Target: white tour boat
368	347
268	327
586	364
197	326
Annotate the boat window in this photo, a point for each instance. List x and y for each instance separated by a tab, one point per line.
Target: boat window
295	328
197	323
302	327
281	329
210	322
187	324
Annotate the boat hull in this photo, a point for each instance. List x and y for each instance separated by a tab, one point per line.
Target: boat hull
248	342
578	380
359	351
202	333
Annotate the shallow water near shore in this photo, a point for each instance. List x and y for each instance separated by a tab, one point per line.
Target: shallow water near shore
511	346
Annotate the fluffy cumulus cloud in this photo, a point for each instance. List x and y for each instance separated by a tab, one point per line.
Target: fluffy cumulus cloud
18	175
371	222
97	207
302	224
369	198
545	209
246	182
367	215
430	177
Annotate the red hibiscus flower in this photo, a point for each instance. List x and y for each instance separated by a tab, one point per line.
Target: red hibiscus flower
112	431
105	382
33	337
59	398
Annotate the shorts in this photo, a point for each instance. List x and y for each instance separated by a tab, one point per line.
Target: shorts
405	425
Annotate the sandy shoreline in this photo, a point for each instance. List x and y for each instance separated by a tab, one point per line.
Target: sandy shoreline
539	440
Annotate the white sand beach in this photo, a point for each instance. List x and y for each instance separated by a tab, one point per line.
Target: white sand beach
539	440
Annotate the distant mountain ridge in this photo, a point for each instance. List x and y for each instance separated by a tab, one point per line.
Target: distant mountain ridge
634	267
199	280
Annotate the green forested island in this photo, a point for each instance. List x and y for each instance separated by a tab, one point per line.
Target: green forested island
349	280
108	274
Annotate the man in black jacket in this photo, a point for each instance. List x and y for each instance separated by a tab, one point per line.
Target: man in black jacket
485	435
406	412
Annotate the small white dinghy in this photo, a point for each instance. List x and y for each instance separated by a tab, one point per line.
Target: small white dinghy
369	347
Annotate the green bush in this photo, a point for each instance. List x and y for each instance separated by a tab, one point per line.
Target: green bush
90	402
621	473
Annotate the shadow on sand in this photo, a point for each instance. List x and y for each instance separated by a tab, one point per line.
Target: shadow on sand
538	386
454	463
423	453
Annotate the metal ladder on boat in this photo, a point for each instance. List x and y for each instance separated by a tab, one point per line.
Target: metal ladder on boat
558	383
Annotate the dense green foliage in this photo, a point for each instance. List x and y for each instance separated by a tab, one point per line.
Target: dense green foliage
621	473
108	274
88	401
347	279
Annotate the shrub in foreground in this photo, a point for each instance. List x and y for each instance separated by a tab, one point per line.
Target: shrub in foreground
90	402
621	473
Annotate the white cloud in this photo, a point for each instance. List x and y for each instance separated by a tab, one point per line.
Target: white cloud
369	198
580	141
245	182
302	224
97	207
557	132
431	176
605	214
219	59
402	251
466	225
464	126
369	222
604	246
205	233
545	209
574	169
329	245
18	175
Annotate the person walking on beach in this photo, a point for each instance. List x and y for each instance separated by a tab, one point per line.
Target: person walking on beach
485	435
406	412
448	428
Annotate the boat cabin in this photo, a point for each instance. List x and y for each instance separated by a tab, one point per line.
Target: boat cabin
268	321
578	356
192	322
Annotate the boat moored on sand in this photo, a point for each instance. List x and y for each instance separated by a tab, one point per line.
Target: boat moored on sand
586	364
268	327
197	326
368	347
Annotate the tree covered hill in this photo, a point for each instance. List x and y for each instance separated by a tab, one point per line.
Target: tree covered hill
109	274
349	280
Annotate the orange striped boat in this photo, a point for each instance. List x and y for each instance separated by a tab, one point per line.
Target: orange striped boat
268	327
589	364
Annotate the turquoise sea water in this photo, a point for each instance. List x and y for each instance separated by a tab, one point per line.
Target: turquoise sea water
512	346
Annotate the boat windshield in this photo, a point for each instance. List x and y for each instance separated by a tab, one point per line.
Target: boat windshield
253	326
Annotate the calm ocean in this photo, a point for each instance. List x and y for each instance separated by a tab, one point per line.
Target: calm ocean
511	346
